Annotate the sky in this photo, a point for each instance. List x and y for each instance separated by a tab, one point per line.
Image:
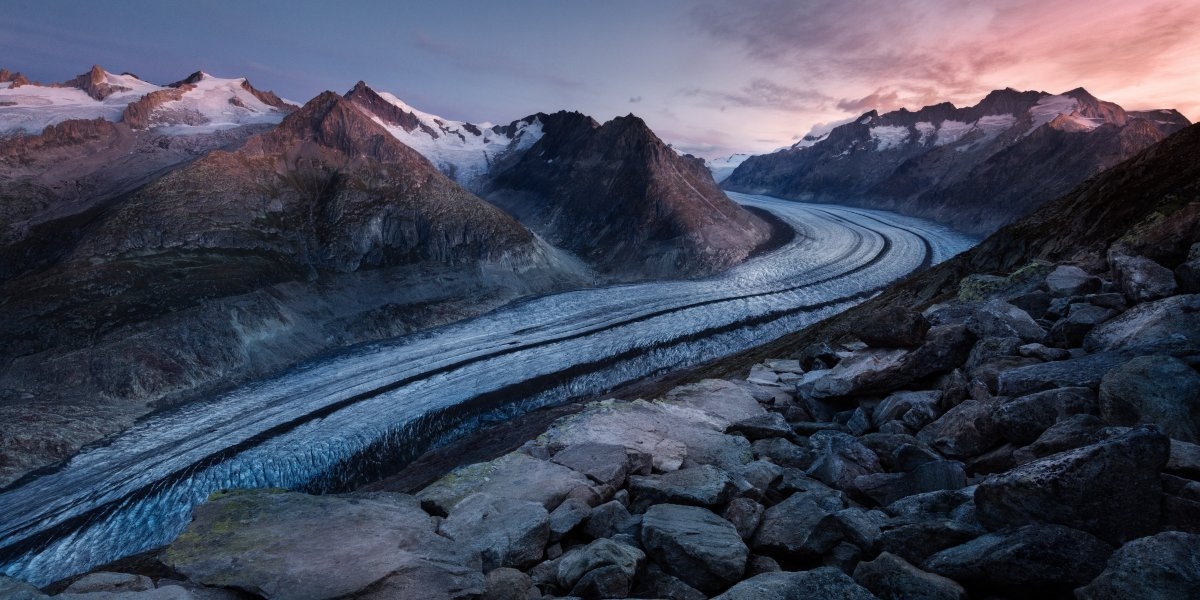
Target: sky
711	78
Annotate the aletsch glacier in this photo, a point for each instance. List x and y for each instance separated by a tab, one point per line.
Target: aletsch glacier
331	424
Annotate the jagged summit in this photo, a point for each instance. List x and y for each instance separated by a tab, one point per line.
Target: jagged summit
975	167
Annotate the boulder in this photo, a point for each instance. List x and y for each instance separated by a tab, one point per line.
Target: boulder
1035	303
897	404
783	453
165	592
1187	274
1184	460
893	327
284	545
1067	280
1069	433
826	583
1043	353
761	375
1141	279
965	430
939	504
1165	566
745	514
703	485
765	426
761	474
569	515
690	425
653	582
506	532
603	463
695	545
104	581
796	482
1160	390
858	373
14	589
784	365
997	318
1085	371
861	527
1038	558
610	519
886	488
797	529
1169	326
988	372
988	348
508	584
1022	420
840	458
1110	489
515	475
914	540
1081	320
601	569
890	577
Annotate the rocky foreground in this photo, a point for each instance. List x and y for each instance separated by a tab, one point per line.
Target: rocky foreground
1037	437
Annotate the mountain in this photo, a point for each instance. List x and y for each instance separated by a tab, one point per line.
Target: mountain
618	196
321	232
614	194
67	149
974	168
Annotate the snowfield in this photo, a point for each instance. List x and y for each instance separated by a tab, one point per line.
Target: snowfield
328	424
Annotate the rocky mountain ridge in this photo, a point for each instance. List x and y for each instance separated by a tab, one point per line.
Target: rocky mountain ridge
974	168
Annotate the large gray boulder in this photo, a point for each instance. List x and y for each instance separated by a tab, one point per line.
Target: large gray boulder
1187	275
1085	371
695	545
886	488
997	318
1160	390
506	532
1110	489
826	583
14	589
894	327
104	581
1081	320
703	485
890	577
601	569
965	430
603	463
1165	566
1022	420
797	529
1167	326
898	404
286	545
515	475
1034	558
1141	279
1068	280
839	459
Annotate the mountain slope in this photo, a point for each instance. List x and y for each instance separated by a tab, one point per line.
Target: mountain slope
321	232
615	195
974	168
619	197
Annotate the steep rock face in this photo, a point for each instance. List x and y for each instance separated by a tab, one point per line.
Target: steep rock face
974	168
321	232
623	200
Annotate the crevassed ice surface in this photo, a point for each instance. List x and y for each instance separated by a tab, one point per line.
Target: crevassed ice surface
333	423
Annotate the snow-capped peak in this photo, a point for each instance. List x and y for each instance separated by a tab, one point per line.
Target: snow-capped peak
463	151
198	104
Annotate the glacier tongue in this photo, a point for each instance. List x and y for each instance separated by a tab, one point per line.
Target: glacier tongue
332	424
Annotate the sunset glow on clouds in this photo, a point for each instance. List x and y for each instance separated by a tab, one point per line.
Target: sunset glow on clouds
712	78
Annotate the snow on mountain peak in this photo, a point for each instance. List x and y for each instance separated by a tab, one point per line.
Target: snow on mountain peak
463	151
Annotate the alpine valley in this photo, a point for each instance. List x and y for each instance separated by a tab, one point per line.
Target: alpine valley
255	348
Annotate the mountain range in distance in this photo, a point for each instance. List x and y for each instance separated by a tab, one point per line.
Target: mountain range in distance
975	168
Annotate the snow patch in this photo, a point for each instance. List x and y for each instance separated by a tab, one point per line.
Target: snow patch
463	151
926	130
32	108
213	104
889	136
722	168
951	131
